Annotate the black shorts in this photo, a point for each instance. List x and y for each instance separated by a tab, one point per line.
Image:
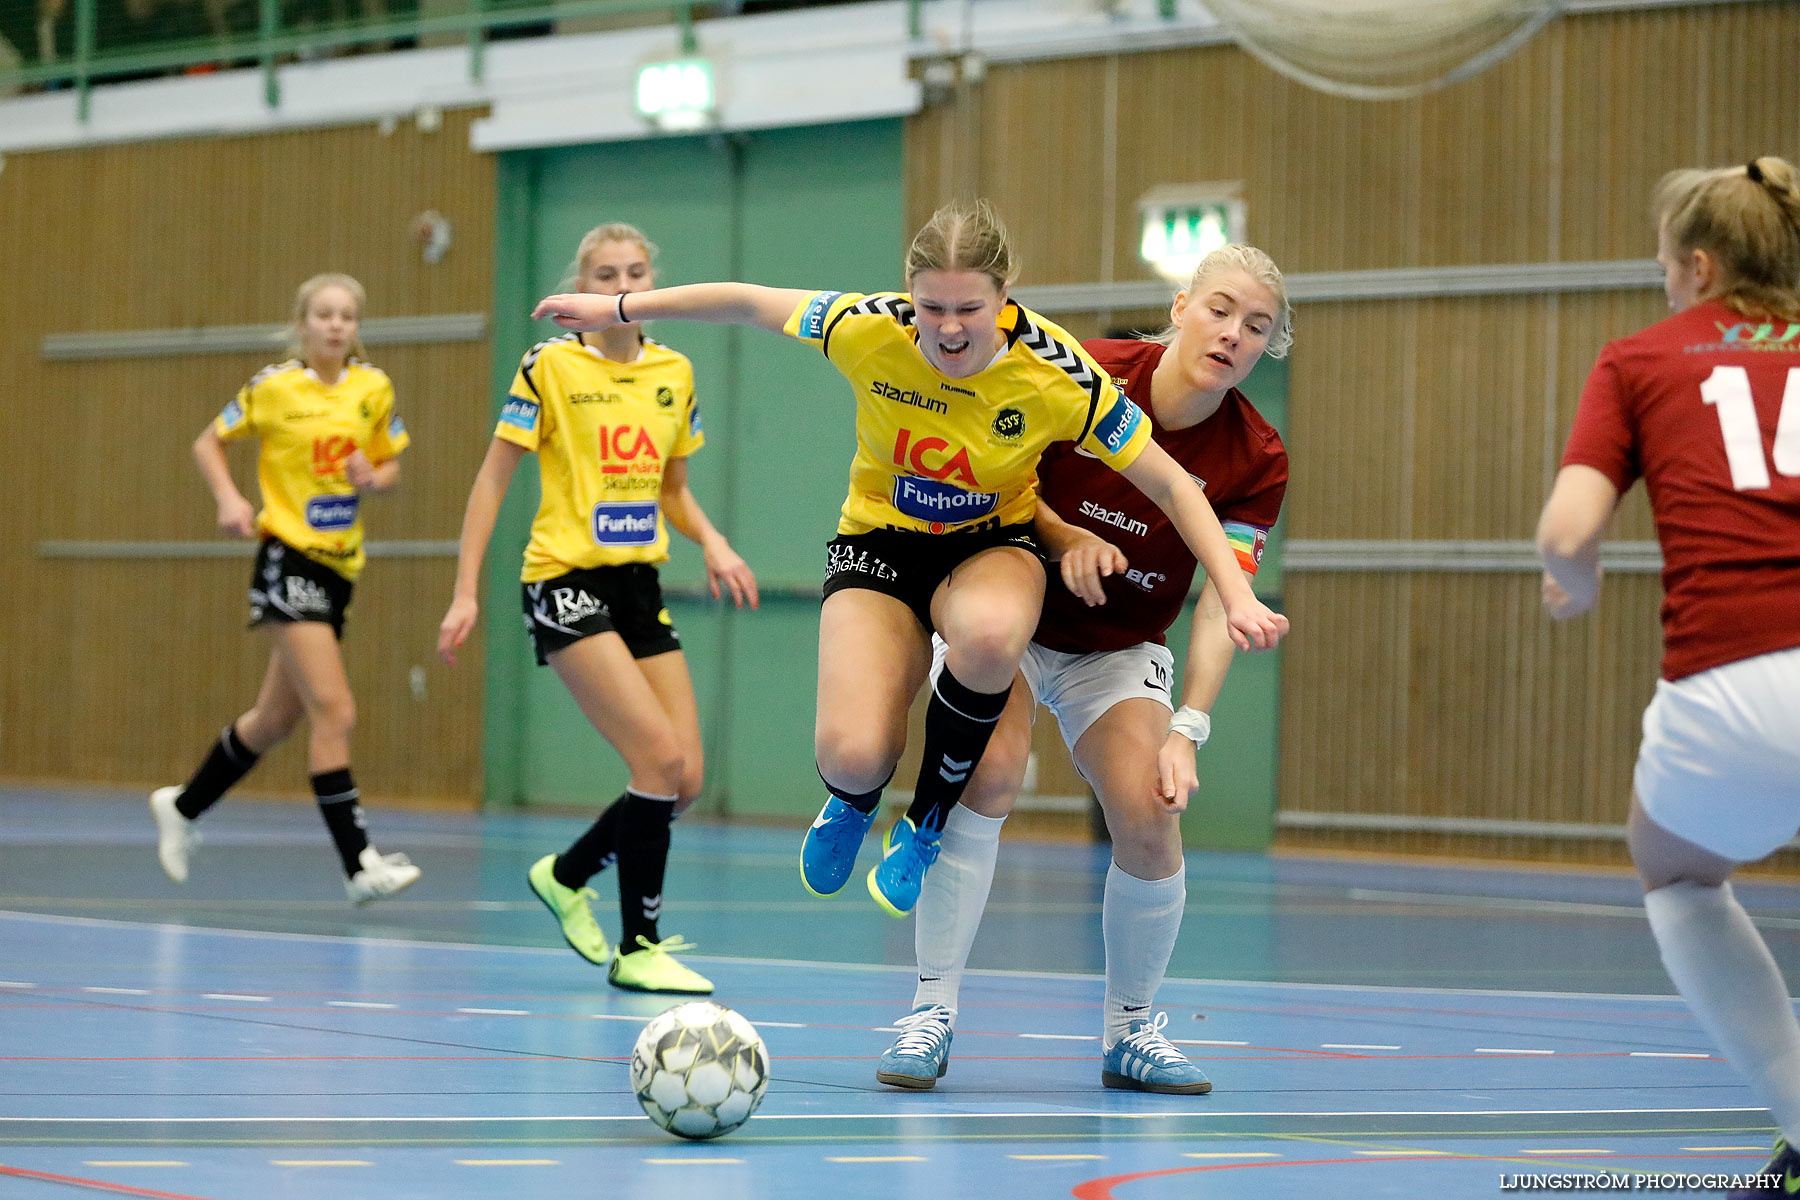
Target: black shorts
626	600
287	586
908	565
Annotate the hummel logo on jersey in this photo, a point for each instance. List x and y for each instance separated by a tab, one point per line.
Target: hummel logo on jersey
953	771
574	604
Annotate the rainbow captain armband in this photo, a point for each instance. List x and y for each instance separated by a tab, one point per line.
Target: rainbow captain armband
1247	542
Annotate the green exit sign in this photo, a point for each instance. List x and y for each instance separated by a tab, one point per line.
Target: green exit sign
677	94
1180	230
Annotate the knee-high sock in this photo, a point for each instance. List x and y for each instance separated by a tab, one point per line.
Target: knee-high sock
951	904
1723	969
338	804
594	850
958	724
1139	920
643	847
228	761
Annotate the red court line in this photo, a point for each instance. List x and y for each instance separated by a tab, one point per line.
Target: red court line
1102	1189
199	1058
93	1185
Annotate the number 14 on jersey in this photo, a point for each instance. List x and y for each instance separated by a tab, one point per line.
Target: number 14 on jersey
1727	389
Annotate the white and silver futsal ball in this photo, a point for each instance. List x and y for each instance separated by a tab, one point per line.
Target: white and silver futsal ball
699	1070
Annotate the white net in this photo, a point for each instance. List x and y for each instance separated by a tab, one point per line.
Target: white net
1381	49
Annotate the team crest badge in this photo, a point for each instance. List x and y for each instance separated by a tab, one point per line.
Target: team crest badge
665	397
1009	425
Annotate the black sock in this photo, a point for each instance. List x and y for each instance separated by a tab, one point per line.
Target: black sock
643	849
862	802
228	761
593	851
337	796
958	724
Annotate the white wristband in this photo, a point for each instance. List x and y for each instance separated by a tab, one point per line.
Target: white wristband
1191	724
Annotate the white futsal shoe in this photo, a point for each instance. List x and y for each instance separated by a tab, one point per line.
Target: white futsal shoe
382	875
176	836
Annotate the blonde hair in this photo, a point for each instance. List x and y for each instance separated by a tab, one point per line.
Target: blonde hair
1748	219
964	237
303	298
1258	266
593	239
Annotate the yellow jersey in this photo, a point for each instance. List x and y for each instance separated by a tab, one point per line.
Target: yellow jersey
307	428
936	454
603	431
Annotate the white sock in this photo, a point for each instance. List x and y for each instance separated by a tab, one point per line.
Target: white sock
1139	921
1723	969
951	903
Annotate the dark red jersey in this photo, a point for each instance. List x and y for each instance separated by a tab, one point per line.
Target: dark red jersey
1238	460
1705	408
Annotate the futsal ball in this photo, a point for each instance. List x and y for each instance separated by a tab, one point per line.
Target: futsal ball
699	1070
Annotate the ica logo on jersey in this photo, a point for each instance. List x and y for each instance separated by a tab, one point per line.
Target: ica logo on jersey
936	492
628	449
329	453
930	457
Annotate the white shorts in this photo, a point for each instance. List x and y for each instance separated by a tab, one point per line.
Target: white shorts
1720	761
1079	688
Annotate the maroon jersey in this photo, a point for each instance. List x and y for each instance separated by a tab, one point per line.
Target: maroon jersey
1705	407
1238	460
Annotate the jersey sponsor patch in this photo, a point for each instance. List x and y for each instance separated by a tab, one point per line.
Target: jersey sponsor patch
1247	542
1117	424
695	428
396	428
232	415
812	321
632	523
332	512
520	413
934	500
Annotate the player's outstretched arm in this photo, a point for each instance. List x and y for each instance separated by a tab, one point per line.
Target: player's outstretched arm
479	516
717	303
1253	625
1575	518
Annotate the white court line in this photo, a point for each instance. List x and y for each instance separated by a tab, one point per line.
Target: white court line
810	965
1205	1042
764	1118
1059	1037
9	983
1407	1153
1508	1050
1588	1150
235	996
1666	1054
113	991
358	1004
495	1012
1353	1046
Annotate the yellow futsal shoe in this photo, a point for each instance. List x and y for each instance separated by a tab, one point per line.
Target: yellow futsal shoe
570	908
652	968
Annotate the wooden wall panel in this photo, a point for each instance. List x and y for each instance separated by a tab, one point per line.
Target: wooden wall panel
129	668
1420	694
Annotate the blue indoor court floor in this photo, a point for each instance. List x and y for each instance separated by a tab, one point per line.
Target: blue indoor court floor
1371	1028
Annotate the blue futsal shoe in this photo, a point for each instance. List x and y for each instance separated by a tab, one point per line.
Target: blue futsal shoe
828	854
1780	1178
1145	1061
921	1054
909	852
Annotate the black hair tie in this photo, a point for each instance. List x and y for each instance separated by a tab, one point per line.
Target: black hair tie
1754	172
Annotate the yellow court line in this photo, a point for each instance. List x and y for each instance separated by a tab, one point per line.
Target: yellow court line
319	1162
508	1162
1054	1157
878	1158
1240	1154
690	1162
128	1162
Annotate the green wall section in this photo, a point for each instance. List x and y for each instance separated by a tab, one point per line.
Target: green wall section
816	207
